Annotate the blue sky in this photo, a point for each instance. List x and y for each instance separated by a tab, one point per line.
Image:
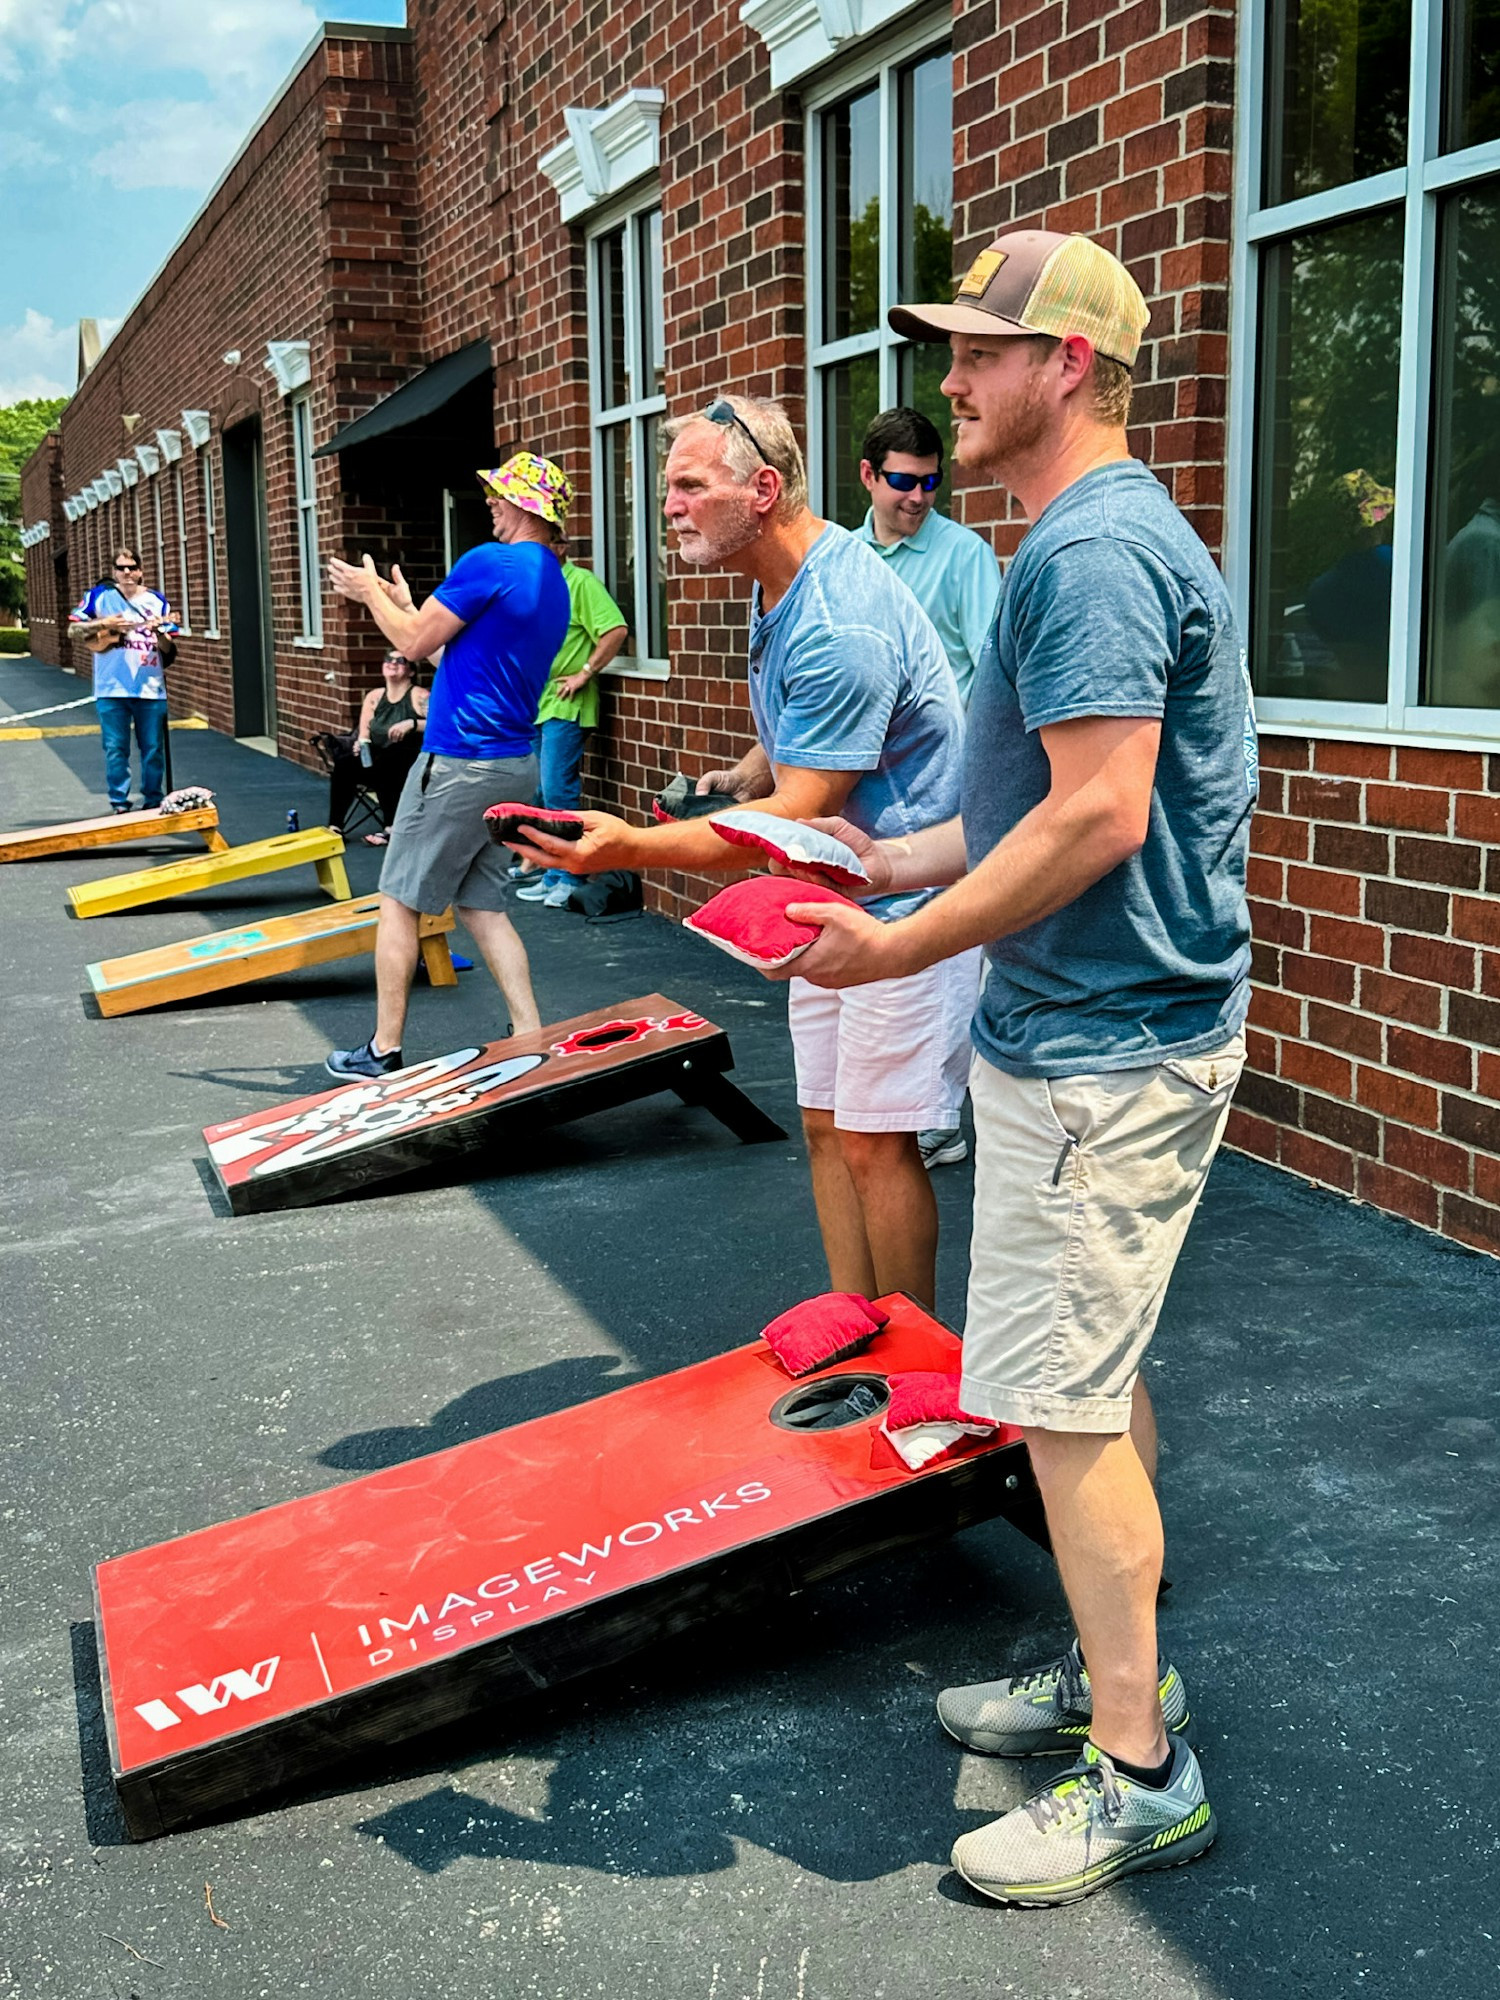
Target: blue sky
116	118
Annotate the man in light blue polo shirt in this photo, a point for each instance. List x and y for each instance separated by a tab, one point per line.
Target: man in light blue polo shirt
951	571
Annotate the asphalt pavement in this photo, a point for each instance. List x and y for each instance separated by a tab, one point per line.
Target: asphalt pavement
760	1811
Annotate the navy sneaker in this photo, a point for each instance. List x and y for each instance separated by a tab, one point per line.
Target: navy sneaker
362	1061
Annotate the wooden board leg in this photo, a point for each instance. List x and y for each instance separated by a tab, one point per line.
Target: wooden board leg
332	879
439	962
214	841
714	1092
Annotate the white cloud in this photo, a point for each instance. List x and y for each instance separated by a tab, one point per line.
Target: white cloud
231	43
39	357
161	144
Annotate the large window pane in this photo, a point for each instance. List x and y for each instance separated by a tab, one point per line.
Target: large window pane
1330	320
851	400
851	216
619	523
1473	63
1337	91
921	370
653	339
1462	666
656	543
926	243
614	380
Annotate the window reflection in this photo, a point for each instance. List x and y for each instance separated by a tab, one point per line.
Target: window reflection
1336	106
851	401
619	539
1462	666
1473	64
614	381
1327	459
927	179
656	542
851	221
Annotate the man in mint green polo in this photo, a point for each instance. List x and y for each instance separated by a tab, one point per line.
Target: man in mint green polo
951	571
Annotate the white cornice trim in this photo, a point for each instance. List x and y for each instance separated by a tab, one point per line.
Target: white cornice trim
37	532
605	151
289	363
170	445
114	482
801	35
198	424
129	471
150	459
90	498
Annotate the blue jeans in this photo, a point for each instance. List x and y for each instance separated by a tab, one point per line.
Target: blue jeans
116	714
559	749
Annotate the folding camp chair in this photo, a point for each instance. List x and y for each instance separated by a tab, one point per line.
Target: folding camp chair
330	745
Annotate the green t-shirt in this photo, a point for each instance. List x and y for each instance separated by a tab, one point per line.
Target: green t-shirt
591	613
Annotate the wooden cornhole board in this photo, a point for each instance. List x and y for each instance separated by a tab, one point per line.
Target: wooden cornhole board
317	1148
239	1661
318	844
260	951
111	830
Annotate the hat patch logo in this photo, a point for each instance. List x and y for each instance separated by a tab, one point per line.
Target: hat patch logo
980	272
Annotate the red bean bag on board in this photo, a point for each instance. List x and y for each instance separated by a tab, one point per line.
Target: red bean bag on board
923	1420
823	1329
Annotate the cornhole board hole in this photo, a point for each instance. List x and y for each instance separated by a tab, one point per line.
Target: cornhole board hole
73	836
318	844
235	958
318	1148
239	1661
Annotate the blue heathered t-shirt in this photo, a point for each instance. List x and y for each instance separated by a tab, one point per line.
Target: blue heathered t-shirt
847	673
1113	606
514	604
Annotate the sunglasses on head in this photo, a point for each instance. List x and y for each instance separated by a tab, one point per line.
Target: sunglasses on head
908	482
724	412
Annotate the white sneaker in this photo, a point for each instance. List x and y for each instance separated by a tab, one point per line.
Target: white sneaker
942	1149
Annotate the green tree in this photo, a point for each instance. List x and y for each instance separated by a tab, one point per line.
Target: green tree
22	428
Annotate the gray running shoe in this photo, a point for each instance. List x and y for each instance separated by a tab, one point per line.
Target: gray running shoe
1087	1828
942	1148
1044	1712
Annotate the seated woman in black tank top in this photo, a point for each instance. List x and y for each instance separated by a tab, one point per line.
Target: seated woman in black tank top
391	720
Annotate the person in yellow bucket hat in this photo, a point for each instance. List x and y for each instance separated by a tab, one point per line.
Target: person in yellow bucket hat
497	620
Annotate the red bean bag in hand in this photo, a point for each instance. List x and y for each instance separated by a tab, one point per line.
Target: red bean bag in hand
506	823
749	920
923	1420
790	840
820	1330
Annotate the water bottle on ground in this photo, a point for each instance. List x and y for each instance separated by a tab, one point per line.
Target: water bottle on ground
293	824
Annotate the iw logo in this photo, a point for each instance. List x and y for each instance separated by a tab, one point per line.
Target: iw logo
236	1685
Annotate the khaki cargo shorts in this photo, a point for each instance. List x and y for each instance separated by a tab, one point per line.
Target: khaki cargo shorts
1083	1190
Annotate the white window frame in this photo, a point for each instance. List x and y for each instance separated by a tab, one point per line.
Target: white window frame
311	602
881	66
1418	186
634	414
160	571
135	506
184	614
210	515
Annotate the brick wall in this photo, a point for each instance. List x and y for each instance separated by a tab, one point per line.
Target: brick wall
47	577
1375	1024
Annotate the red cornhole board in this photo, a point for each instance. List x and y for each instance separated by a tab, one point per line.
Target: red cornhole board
318	1148
239	1661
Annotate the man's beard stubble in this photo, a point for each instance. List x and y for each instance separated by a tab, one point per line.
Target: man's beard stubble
736	532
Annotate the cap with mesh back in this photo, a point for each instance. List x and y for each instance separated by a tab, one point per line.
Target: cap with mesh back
1035	281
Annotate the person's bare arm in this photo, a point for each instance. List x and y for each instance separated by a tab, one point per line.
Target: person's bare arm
751	780
608	647
416	632
1095	816
691	845
366	715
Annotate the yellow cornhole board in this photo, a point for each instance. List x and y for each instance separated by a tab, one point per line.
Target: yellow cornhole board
29	734
260	951
318	844
73	835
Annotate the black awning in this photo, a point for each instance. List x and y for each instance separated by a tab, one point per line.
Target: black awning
415	399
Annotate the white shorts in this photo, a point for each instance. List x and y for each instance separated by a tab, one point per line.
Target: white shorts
892	1056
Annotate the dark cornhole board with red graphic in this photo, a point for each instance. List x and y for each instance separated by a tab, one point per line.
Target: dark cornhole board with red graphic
240	1661
318	1148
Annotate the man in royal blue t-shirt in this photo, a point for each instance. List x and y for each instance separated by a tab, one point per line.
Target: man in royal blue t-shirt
497	620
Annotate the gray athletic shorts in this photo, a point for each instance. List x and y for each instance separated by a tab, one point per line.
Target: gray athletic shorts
440	852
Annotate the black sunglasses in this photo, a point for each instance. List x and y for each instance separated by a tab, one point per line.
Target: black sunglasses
724	412
907	482
134	568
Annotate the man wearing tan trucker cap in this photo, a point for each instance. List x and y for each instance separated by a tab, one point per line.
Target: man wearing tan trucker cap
1109	778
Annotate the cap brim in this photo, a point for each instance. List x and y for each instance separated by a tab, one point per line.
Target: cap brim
937	322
